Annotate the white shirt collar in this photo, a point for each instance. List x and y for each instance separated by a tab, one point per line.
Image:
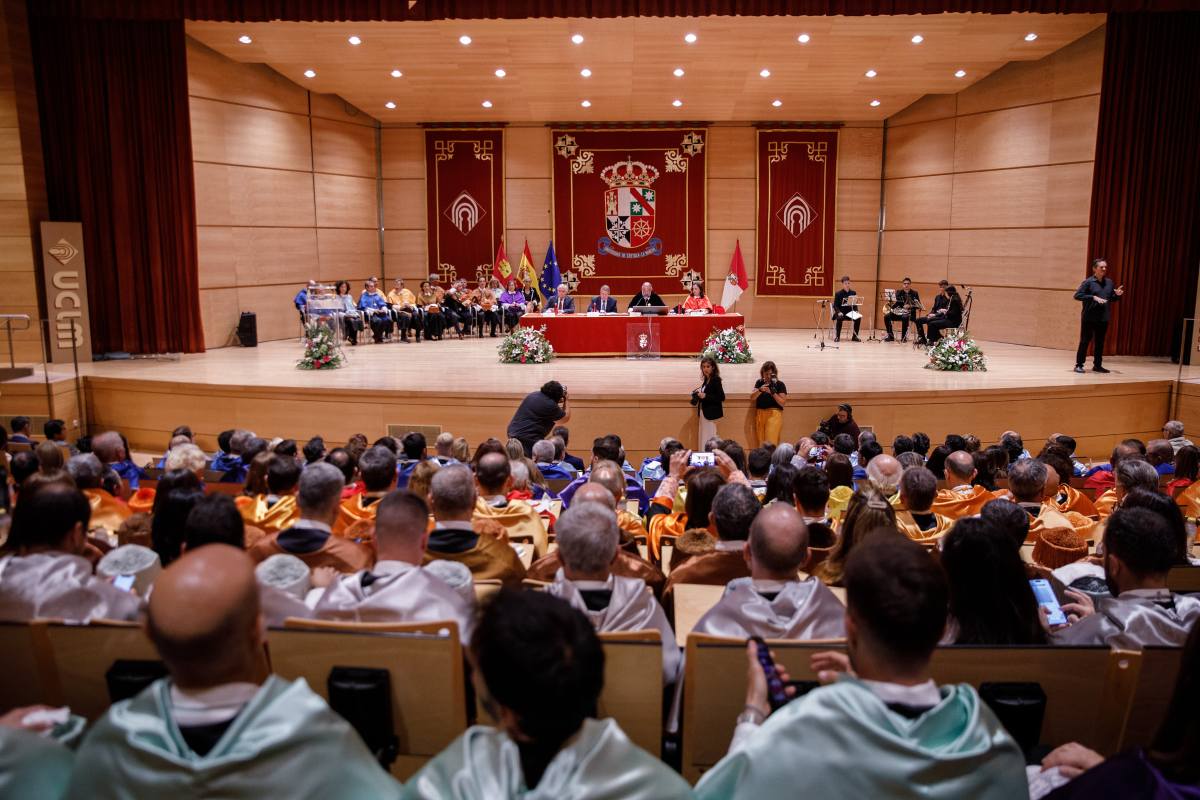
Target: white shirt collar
192	707
390	567
591	586
314	524
768	587
963	488
922	695
733	546
454	525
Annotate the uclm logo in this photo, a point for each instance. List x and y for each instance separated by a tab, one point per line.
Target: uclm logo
63	251
68	305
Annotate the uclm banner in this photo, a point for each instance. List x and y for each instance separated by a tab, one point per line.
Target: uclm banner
64	273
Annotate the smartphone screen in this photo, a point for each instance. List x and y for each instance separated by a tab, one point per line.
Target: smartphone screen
124	582
1045	598
702	460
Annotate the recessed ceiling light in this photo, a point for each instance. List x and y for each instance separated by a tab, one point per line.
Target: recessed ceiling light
244	39
464	39
577	38
764	73
500	73
586	104
585	72
874	103
871	73
677	103
690	38
777	103
354	40
678	73
397	73
389	104
803	38
918	39
310	73
1029	37
962	73
486	104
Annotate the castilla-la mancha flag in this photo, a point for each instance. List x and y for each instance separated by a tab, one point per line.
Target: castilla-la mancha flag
501	269
737	282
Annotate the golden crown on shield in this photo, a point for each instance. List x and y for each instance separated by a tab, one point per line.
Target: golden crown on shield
629	173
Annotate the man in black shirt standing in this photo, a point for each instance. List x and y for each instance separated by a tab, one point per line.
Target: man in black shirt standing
1096	293
842	307
538	413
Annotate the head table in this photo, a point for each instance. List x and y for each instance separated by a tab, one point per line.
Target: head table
610	334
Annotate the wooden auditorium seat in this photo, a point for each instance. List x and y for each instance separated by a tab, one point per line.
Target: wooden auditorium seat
1156	677
83	655
28	672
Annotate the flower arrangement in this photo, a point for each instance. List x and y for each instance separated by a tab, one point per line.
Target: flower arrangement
526	345
727	346
957	353
320	349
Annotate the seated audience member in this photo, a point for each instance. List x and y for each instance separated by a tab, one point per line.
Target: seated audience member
186	456
961	499
780	486
493	477
841	482
237	464
1008	518
991	602
1068	443
1028	480
223	458
107	511
178	492
21	466
1139	549
910	459
214	519
1173	430
662	520
346	463
884	728
219	726
810	490
758	468
49	456
733	511
454	538
1066	498
1168	768
1187	469
539	670
443	447
552	468
256	476
276	510
627	563
112	451
1161	455
418	482
377	470
1102	476
311	539
43	573
180	436
608	448
1166	508
937	461
884	472
868	515
413	452
1130	475
313	450
22	431
917	519
396	588
564	433
609	475
655	468
587	544
773	602
33	764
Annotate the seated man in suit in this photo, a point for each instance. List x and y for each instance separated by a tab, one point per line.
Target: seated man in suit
773	603
493	476
733	511
454	537
220	726
562	303
396	589
587	543
603	303
377	469
916	519
884	726
1139	550
21	431
311	539
646	297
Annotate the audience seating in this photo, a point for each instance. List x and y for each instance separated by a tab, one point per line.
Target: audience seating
1157	673
83	655
556	485
1184	580
425	662
29	675
692	600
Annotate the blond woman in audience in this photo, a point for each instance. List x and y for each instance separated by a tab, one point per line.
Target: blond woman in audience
869	514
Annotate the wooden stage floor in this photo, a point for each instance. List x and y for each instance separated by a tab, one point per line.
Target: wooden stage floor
461	386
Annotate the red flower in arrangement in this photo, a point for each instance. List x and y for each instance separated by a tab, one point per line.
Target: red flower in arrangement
522	359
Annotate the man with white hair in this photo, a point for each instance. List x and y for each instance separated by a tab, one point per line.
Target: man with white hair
88	473
884	471
587	543
110	448
552	469
1173	430
603	303
441	448
186	456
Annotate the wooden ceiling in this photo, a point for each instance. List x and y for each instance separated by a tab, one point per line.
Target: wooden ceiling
632	62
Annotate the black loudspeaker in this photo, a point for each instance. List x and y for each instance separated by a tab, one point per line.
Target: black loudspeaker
247	329
363	696
127	678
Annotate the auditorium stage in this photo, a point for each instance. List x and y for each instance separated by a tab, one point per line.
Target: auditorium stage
461	387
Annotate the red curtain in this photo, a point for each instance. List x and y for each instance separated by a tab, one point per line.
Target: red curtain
1145	215
113	103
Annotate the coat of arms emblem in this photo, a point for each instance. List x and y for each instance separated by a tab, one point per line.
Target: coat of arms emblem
629	210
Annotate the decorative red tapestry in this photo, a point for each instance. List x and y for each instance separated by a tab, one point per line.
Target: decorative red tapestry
464	187
629	208
797	203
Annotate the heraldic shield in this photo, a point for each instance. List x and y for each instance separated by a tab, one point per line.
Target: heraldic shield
629	215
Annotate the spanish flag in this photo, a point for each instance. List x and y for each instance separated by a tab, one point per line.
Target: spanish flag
501	269
526	274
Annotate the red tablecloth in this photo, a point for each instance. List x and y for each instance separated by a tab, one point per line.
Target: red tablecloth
581	335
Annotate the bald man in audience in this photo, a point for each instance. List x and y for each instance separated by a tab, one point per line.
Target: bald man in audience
396	588
609	475
916	518
961	499
454	537
774	602
493	476
587	536
626	564
884	471
220	726
44	574
311	539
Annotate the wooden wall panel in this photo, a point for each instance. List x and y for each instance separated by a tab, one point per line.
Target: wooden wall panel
858	205
404	204
237	256
223	133
342	148
731	152
527	204
1026	136
403	153
348	254
231	195
920	203
213	76
346	202
1029	197
990	257
527	152
405	255
277	317
1046	317
731	203
858	153
923	148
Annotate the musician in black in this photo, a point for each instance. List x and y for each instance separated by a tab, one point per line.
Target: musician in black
842	307
951	318
939	308
902	309
1096	293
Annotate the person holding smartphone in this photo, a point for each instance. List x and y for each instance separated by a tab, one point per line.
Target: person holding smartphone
708	398
770	396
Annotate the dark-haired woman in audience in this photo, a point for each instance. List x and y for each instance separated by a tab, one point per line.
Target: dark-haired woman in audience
840	472
177	492
351	318
779	484
256	476
1187	468
869	514
937	461
985	474
991	602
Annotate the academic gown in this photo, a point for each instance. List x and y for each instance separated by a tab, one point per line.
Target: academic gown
355	509
1071	499
626	565
107	511
395	592
955	505
32	766
269	518
58	585
285	742
598	763
519	519
842	741
909	526
315	548
1132	621
486	556
632	607
802	610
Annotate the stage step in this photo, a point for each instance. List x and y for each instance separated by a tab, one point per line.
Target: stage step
13	373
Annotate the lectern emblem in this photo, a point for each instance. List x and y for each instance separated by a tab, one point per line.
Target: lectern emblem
643	341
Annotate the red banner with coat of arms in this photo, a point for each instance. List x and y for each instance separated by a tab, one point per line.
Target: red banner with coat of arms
797	202
464	187
629	208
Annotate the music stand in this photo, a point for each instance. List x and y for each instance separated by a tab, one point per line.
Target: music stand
822	319
966	312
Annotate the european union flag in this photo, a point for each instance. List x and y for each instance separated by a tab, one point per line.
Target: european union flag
550	275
